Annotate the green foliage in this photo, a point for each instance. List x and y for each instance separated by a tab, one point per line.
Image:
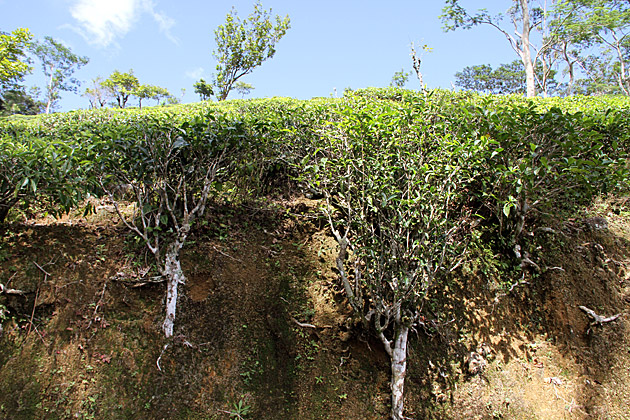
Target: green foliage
58	64
522	147
400	78
600	31
121	86
166	164
408	177
98	95
240	410
156	93
33	167
19	102
243	88
506	79
243	45
524	19
203	89
13	61
538	158
393	177
454	16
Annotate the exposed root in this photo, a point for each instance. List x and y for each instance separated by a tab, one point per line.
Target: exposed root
598	320
8	291
157	362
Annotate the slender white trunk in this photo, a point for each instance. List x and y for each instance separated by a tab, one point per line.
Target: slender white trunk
526	55
570	67
174	276
622	77
399	371
50	93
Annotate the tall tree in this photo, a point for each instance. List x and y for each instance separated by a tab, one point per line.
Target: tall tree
524	19
505	79
98	95
598	28
243	45
203	89
159	94
600	77
400	78
121	86
13	60
243	88
156	93
58	64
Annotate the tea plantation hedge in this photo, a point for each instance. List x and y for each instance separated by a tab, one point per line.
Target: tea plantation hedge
513	150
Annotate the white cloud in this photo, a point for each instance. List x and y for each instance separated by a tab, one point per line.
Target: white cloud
164	22
102	22
195	73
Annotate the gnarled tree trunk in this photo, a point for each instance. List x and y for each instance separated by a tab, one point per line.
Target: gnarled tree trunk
397	351
398	359
174	276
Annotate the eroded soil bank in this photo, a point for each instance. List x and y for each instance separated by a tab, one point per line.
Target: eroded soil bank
264	332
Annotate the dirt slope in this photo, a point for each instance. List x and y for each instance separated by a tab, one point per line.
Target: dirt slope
263	330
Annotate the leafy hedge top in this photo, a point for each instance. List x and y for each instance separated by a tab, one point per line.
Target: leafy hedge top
75	121
55	153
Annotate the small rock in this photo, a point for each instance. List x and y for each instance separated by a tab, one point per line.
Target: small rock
475	363
554	380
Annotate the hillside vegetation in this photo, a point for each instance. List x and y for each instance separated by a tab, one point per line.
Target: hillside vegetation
331	258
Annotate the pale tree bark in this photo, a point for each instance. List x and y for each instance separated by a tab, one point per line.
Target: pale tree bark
548	54
50	92
398	359
622	77
525	50
396	349
387	267
416	62
175	276
570	66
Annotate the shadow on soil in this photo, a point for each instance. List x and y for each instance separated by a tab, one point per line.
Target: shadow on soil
263	330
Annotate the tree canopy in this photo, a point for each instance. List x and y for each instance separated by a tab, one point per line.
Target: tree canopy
17	101
591	38
243	45
400	78
524	20
504	80
58	64
600	34
14	64
98	95
203	89
156	93
121	86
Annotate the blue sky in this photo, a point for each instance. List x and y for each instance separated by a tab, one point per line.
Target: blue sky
331	44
